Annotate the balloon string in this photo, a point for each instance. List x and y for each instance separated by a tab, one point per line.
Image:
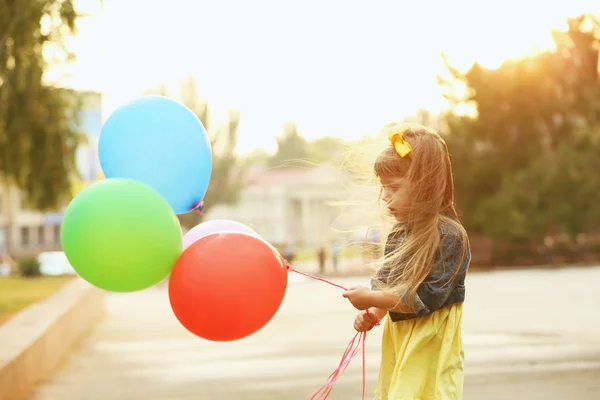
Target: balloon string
289	267
356	345
364	364
353	348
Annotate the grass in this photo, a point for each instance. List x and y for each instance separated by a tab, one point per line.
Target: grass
17	293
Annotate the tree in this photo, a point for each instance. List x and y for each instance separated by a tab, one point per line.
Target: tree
227	177
39	130
257	156
325	149
291	148
525	162
426	117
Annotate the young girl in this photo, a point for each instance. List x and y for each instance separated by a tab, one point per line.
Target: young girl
421	284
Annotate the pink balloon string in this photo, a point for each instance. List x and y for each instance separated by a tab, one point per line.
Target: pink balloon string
289	267
356	345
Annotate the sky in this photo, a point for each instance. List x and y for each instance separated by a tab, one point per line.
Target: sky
336	68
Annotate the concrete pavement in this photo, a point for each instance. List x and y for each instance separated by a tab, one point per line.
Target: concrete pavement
528	335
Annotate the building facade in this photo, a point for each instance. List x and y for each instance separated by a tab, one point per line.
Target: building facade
296	206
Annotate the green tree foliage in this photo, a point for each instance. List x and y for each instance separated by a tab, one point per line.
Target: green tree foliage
39	131
292	148
227	176
326	149
526	164
257	157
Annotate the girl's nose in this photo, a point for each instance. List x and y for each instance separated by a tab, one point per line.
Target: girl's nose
385	196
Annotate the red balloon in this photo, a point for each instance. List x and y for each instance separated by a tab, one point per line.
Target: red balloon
227	286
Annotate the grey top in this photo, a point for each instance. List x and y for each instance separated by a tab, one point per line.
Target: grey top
444	286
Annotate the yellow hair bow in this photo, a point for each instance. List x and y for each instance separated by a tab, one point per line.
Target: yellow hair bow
403	148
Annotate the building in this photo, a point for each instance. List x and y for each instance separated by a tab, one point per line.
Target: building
31	231
297	206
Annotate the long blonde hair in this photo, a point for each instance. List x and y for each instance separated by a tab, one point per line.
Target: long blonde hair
427	173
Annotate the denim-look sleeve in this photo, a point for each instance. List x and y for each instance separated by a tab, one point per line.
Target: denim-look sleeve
380	278
448	271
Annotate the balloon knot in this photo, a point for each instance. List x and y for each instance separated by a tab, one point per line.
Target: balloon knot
199	207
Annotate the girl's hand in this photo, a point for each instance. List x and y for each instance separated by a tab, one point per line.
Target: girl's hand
365	321
360	297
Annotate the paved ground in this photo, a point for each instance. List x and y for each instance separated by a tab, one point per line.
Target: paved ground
528	335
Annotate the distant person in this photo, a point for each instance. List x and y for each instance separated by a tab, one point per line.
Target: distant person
6	264
288	253
548	250
4	269
421	284
335	255
321	255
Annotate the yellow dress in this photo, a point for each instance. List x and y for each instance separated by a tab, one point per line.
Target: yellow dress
423	358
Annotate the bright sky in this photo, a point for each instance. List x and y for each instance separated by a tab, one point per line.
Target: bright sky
339	68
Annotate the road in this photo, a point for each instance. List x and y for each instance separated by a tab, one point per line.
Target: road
528	335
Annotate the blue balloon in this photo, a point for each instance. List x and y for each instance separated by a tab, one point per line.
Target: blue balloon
160	142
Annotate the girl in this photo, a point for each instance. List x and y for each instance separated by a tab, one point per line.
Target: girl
421	283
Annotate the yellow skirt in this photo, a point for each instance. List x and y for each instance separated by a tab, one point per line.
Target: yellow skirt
423	358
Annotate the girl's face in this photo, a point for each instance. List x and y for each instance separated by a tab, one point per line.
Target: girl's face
395	194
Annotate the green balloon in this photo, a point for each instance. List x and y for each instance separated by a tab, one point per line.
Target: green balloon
121	235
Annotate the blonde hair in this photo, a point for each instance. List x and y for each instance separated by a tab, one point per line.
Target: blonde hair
427	175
